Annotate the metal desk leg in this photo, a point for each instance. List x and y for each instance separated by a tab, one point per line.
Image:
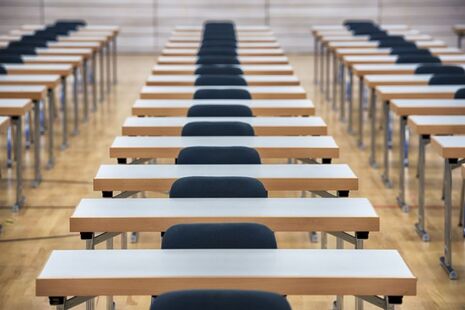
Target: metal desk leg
75	102
446	260
373	163
107	49
94	81
401	198
90	304
321	58
328	70
64	144
86	94
115	62
385	176
350	109
102	75
342	98
420	225
358	301
51	118
335	75
315	61
19	163
110	302
360	112
37	176
459	41
339	299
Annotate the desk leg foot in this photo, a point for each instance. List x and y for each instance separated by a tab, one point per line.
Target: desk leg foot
9	163
75	132
36	182
422	232
64	146
448	268
403	205
313	237
387	182
361	146
18	205
134	237
373	163
50	164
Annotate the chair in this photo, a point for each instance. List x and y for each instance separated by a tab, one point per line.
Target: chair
219	299
386	37
218	43
11	59
18	51
439	69
3	70
217	187
28	44
219	110
227	93
447	79
233	128
218	155
460	94
219	236
230	52
410	51
409	59
215	60
218	70
220	80
396	43
368	31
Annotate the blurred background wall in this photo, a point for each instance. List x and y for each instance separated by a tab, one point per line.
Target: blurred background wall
146	24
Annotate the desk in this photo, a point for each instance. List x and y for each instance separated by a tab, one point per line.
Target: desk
460	32
252	80
242	39
240	52
263	126
315	178
240	45
239	34
257	92
387	93
245	60
36	94
268	147
238	28
391	59
247	69
63	70
51	82
258	107
17	109
435	51
452	150
336	216
366	273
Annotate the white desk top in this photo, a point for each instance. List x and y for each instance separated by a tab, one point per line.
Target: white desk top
236	27
251	103
241	52
257	60
375	44
252	142
312	272
449	146
254	90
248	69
427	89
274	177
387	51
428	106
459	59
241	45
239	34
253	121
401	78
15	107
341	26
365	38
426	120
52	59
244	39
46	78
251	79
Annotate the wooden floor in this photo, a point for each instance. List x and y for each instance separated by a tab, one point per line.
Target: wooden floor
28	237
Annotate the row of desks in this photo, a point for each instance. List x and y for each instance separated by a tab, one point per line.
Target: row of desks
305	272
26	86
426	110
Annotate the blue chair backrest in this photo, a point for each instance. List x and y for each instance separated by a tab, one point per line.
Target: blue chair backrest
386	37
396	43
218	70
11	59
217	187
3	70
410	51
218	155
205	80
460	94
439	69
219	110
219	236
359	23
35	43
227	93
447	79
217	51
38	38
217	60
368	31
409	59
218	43
220	299
18	51
217	129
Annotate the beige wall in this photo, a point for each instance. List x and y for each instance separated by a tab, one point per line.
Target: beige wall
146	24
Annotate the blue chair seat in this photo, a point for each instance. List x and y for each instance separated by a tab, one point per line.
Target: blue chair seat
215	60
217	129
408	59
218	155
206	80
447	79
218	70
227	93
439	69
219	110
